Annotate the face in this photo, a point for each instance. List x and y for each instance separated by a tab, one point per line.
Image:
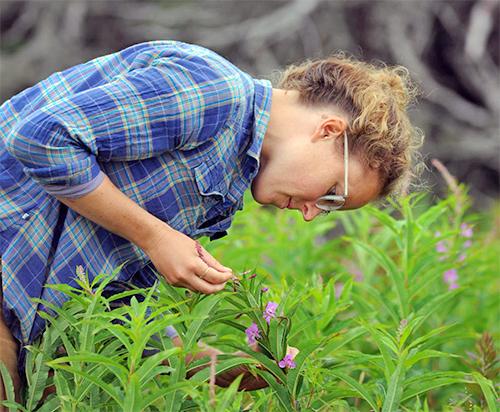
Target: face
306	169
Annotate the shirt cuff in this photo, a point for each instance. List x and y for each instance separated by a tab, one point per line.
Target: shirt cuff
74	192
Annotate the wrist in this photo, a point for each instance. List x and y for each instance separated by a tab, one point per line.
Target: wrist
154	233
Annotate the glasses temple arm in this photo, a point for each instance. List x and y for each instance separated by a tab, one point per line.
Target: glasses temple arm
346	163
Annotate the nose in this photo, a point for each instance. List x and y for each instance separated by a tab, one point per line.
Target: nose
309	211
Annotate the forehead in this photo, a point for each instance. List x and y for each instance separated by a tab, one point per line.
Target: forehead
365	185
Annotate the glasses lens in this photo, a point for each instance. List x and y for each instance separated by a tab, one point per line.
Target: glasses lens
329	203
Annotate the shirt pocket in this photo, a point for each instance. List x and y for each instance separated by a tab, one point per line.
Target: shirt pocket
213	186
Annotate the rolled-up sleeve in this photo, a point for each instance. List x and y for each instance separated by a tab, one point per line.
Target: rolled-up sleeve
141	114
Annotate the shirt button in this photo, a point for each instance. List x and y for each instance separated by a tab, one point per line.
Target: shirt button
26	216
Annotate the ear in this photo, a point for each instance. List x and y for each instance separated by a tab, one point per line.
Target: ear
330	127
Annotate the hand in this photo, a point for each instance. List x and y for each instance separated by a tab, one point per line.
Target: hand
185	263
250	381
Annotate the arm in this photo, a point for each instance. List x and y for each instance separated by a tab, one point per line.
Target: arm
174	254
141	114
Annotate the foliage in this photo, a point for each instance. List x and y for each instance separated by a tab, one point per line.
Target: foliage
392	310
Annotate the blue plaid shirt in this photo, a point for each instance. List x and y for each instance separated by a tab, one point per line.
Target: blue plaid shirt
175	126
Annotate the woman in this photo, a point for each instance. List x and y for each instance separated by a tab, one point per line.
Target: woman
133	155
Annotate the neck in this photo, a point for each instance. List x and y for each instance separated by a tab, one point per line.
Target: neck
289	119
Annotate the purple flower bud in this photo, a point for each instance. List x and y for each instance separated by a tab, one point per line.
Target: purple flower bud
452	286
441	247
466	230
264	289
252	333
462	257
467	244
358	276
287	362
270	311
450	276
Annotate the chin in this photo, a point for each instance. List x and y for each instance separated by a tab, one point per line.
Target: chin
257	194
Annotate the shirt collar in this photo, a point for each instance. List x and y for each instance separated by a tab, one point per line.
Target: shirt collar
262	109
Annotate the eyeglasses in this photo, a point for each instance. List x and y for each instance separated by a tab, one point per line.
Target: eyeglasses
329	203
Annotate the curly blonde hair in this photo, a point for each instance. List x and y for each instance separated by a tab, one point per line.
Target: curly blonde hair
376	98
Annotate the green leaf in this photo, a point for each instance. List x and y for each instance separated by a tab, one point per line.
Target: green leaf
429	308
174	401
357	387
338	341
392	272
172	388
202	311
145	371
426	354
229	395
37	379
132	401
384	218
395	388
235	325
293	376
269	364
109	389
432	380
118	370
50	405
488	389
280	390
427	218
423	339
385	348
9	389
221	366
278	332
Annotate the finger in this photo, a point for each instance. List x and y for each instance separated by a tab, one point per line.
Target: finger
200	285
211	261
212	275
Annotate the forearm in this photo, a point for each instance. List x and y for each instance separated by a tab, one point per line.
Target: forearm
110	208
177	257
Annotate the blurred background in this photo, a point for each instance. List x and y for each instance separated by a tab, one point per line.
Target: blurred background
451	47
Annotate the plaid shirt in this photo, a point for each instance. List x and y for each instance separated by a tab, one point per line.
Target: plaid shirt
175	126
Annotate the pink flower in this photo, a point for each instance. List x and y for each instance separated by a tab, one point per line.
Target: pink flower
462	257
466	230
358	276
441	247
450	276
270	311
467	244
287	362
252	333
